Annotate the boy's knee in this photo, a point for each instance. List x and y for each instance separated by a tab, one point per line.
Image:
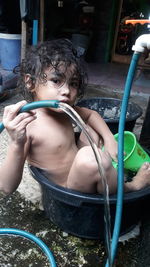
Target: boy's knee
106	161
85	158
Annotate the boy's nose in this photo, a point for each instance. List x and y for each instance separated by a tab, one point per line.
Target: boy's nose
65	89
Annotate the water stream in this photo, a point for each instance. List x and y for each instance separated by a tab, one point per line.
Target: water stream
77	119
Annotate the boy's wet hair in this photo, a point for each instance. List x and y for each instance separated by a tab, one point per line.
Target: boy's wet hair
44	55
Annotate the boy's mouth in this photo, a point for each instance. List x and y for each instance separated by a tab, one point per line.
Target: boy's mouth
65	101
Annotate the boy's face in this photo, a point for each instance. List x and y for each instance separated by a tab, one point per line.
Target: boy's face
62	84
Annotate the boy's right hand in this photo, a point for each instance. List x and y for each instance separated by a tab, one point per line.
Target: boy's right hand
15	123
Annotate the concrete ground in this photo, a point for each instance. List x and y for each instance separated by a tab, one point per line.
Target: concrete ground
23	209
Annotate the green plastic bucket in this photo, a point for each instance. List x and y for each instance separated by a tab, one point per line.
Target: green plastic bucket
135	155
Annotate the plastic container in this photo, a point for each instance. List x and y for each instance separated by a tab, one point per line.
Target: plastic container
135	155
110	108
82	214
10	52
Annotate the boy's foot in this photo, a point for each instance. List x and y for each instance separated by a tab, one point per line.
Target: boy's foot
142	178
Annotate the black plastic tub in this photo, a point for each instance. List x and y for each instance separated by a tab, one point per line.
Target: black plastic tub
109	109
82	214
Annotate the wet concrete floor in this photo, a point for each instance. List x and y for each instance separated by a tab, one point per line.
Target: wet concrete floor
23	210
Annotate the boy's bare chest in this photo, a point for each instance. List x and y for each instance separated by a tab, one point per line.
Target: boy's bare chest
53	136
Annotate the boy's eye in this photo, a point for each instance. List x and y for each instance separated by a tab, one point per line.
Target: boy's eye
56	81
75	84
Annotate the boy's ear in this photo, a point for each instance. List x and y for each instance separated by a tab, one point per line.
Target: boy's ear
29	83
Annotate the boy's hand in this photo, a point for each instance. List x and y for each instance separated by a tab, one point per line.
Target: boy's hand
15	123
111	147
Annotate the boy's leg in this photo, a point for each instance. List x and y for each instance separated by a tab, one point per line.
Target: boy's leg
84	175
83	140
140	180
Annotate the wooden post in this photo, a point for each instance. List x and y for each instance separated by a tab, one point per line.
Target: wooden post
145	132
116	30
41	27
23	38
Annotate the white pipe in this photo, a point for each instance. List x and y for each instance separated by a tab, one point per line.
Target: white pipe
141	43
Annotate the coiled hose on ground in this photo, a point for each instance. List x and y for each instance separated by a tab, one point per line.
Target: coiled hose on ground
38	241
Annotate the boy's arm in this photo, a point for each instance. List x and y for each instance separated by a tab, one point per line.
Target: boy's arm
12	168
97	123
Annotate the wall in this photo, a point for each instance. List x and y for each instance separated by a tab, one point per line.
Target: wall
63	22
101	32
10	16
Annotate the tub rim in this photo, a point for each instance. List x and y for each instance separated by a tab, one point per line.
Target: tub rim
80	197
114	120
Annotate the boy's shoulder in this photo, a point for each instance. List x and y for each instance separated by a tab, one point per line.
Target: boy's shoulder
83	112
82	109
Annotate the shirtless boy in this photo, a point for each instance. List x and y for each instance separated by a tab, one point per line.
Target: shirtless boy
45	137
